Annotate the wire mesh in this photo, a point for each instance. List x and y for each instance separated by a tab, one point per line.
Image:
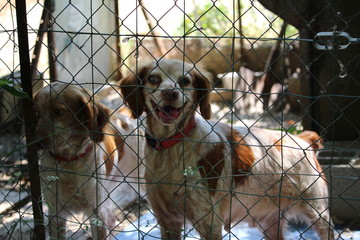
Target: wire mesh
267	67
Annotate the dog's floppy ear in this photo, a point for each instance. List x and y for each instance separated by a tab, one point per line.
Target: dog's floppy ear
95	116
131	88
102	115
202	86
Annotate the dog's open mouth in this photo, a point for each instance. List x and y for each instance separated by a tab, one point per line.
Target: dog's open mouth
167	113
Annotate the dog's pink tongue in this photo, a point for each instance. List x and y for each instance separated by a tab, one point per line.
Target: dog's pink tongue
169	113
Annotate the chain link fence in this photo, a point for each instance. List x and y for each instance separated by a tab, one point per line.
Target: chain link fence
277	65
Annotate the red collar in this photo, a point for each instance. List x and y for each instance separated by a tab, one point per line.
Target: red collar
160	144
76	157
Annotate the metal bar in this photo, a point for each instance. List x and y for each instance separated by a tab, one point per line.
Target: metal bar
49	7
269	77
30	121
243	55
117	32
51	56
42	27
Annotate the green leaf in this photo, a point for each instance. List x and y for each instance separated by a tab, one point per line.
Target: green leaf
4	81
6	85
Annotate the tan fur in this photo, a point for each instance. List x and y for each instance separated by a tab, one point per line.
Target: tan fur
219	176
113	143
316	142
85	146
311	137
211	166
243	158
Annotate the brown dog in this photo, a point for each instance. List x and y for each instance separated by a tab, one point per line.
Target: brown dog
213	175
87	155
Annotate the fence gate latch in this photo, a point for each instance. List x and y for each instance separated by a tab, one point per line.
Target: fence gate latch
335	40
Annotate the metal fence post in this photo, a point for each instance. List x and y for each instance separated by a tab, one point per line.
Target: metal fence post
29	117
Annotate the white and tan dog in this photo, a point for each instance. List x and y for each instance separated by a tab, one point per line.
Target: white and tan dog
216	176
88	155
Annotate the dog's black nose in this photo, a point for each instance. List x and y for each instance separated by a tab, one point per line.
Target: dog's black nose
170	95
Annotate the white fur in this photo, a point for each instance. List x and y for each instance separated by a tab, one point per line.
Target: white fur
284	180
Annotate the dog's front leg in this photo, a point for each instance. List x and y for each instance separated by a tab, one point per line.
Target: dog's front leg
209	227
99	232
106	223
170	230
170	221
99	224
204	217
100	221
57	225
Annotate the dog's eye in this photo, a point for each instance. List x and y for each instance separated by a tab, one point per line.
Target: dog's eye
184	81
154	79
58	112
